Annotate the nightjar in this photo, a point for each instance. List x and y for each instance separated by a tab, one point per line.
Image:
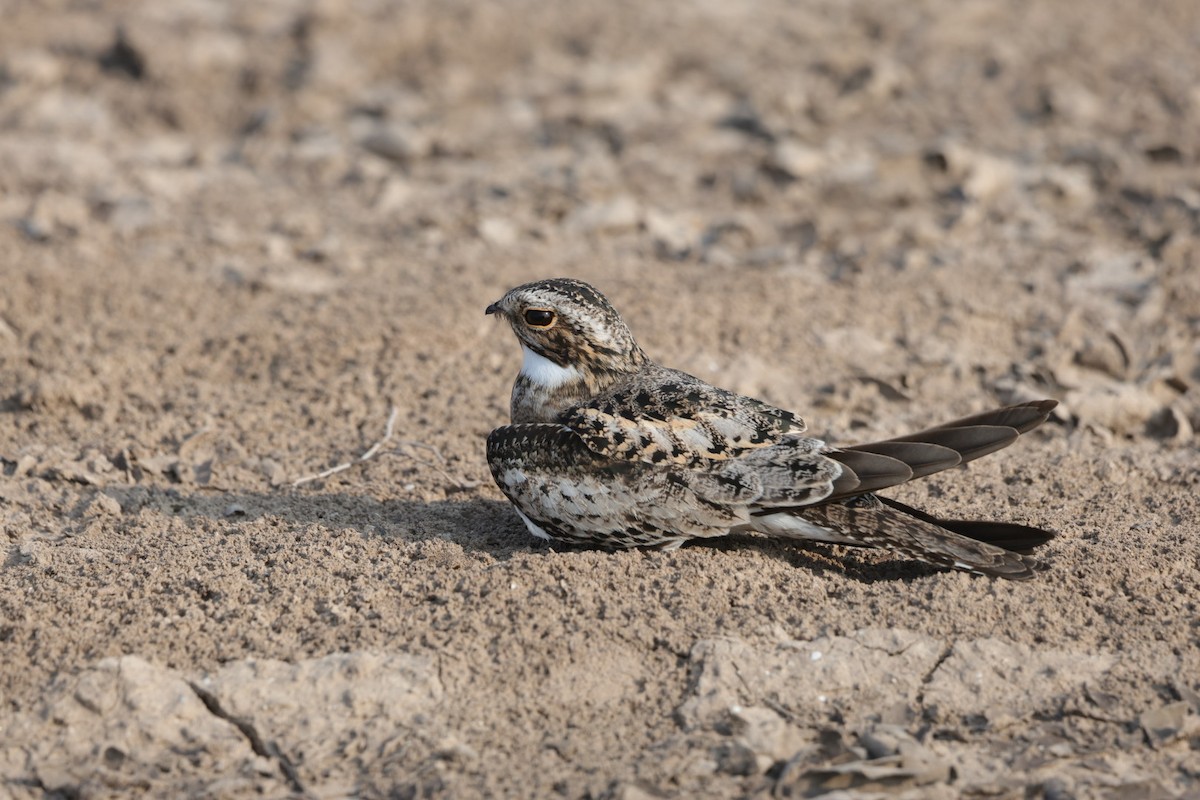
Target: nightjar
608	448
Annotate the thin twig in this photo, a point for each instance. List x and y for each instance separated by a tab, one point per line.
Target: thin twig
370	453
461	483
410	443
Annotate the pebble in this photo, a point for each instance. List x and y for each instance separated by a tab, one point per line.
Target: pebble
608	216
103	505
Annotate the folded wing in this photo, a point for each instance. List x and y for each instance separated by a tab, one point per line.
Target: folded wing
670	417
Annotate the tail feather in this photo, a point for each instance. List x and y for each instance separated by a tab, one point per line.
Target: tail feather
851	514
923	458
916	538
1023	417
1008	535
863	471
874	465
969	441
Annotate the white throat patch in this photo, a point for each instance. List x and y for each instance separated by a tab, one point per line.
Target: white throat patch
544	372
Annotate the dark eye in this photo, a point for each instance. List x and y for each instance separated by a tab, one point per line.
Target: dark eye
539	317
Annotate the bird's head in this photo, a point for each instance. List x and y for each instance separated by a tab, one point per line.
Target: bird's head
570	325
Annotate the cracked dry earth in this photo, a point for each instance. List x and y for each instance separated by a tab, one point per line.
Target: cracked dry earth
235	237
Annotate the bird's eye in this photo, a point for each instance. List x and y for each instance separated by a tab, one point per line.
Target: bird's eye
539	317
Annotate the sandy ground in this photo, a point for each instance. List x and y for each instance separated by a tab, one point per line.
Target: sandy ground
233	241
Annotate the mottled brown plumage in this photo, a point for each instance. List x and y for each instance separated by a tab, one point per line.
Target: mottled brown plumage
609	448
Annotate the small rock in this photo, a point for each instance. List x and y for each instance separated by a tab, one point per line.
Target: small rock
1187	694
453	750
319	147
1128	276
158	465
1061	750
395	194
98	463
881	741
50	393
727	234
674	236
277	249
123	58
990	177
394	144
34	229
28	552
76	473
24	465
166	150
1164	154
1121	408
1139	790
1162	725
276	474
630	791
302	280
1170	424
1073	186
1056	789
735	758
1108	703
56	214
498	231
765	733
912	766
114	757
1106	354
797	160
619	213
128	215
895	743
746	119
103	505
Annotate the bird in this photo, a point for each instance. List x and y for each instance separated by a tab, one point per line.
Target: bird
607	448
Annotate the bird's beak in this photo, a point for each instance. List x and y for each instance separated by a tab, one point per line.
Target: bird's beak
494	308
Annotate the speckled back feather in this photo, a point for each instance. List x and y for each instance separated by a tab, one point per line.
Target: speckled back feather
662	415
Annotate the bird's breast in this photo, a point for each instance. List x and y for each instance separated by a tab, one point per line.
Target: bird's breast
543	389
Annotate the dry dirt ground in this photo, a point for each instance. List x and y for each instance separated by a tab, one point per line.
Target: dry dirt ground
235	236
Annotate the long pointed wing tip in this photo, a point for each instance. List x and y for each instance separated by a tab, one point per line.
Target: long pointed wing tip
1044	407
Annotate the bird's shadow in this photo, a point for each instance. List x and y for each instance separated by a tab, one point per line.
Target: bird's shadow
478	525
